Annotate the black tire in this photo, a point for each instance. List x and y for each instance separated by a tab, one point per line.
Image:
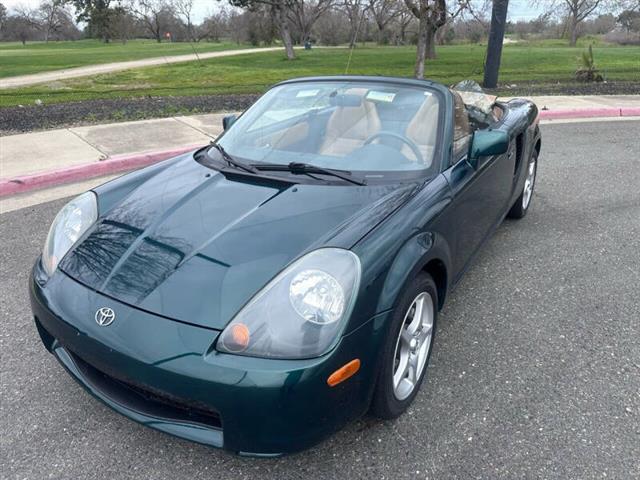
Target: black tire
519	210
385	404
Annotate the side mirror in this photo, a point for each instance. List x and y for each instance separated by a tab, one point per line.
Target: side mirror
228	121
486	143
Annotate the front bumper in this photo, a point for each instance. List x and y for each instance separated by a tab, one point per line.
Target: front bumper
167	375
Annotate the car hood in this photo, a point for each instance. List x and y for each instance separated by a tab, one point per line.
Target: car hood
193	245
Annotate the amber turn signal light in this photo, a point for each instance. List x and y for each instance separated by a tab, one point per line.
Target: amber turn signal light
344	372
240	336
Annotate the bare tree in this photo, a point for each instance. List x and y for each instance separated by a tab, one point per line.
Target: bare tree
237	26
630	19
402	22
279	14
431	15
184	8
215	24
23	24
153	15
383	13
304	14
332	28
578	11
355	11
123	24
51	14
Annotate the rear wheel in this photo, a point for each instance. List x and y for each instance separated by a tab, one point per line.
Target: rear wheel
520	208
407	349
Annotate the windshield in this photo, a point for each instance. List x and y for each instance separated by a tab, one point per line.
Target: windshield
351	125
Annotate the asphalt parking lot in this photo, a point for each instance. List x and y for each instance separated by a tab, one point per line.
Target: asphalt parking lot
535	371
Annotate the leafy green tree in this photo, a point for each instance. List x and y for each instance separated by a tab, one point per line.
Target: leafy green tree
98	15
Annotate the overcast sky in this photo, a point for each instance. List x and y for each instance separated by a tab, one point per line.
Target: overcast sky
518	9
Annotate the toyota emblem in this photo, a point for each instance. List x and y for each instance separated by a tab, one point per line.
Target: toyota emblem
105	316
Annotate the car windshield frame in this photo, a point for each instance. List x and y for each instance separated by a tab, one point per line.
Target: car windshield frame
376	89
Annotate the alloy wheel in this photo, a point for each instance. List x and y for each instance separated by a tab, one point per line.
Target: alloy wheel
412	345
528	184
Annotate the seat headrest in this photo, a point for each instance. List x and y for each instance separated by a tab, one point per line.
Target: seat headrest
345	100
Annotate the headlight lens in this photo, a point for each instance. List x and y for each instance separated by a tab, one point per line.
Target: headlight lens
69	225
301	312
317	297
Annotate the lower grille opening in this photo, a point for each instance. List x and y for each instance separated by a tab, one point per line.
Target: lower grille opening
145	400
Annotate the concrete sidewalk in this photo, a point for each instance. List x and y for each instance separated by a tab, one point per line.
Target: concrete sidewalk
30	153
78	153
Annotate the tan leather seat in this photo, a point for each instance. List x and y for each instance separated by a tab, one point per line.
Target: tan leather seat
422	130
348	127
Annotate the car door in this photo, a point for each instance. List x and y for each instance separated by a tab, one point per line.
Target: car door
479	194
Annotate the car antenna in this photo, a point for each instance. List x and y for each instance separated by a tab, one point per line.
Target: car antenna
353	43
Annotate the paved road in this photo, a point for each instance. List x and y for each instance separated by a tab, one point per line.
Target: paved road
55	75
535	372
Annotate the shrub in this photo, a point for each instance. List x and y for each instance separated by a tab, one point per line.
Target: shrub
623	38
588	71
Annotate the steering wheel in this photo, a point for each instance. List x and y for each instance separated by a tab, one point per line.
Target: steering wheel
409	143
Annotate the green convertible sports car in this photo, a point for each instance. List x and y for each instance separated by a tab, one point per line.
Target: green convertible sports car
262	291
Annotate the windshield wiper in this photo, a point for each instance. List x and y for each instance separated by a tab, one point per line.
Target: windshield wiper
233	162
308	168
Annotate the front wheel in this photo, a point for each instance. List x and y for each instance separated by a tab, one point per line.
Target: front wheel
407	349
520	208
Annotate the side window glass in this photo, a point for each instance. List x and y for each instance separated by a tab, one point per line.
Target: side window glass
462	129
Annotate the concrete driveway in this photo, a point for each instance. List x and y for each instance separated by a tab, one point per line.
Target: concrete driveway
535	371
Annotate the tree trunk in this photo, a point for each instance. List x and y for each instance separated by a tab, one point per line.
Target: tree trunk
353	33
286	40
431	42
440	35
421	49
380	34
355	29
285	33
403	34
305	34
573	30
494	46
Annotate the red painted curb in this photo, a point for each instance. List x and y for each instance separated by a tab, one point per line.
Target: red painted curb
630	112
590	113
120	163
581	113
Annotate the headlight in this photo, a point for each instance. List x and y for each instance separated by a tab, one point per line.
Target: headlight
69	225
301	312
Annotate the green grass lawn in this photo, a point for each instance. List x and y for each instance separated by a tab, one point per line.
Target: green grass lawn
34	57
522	63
